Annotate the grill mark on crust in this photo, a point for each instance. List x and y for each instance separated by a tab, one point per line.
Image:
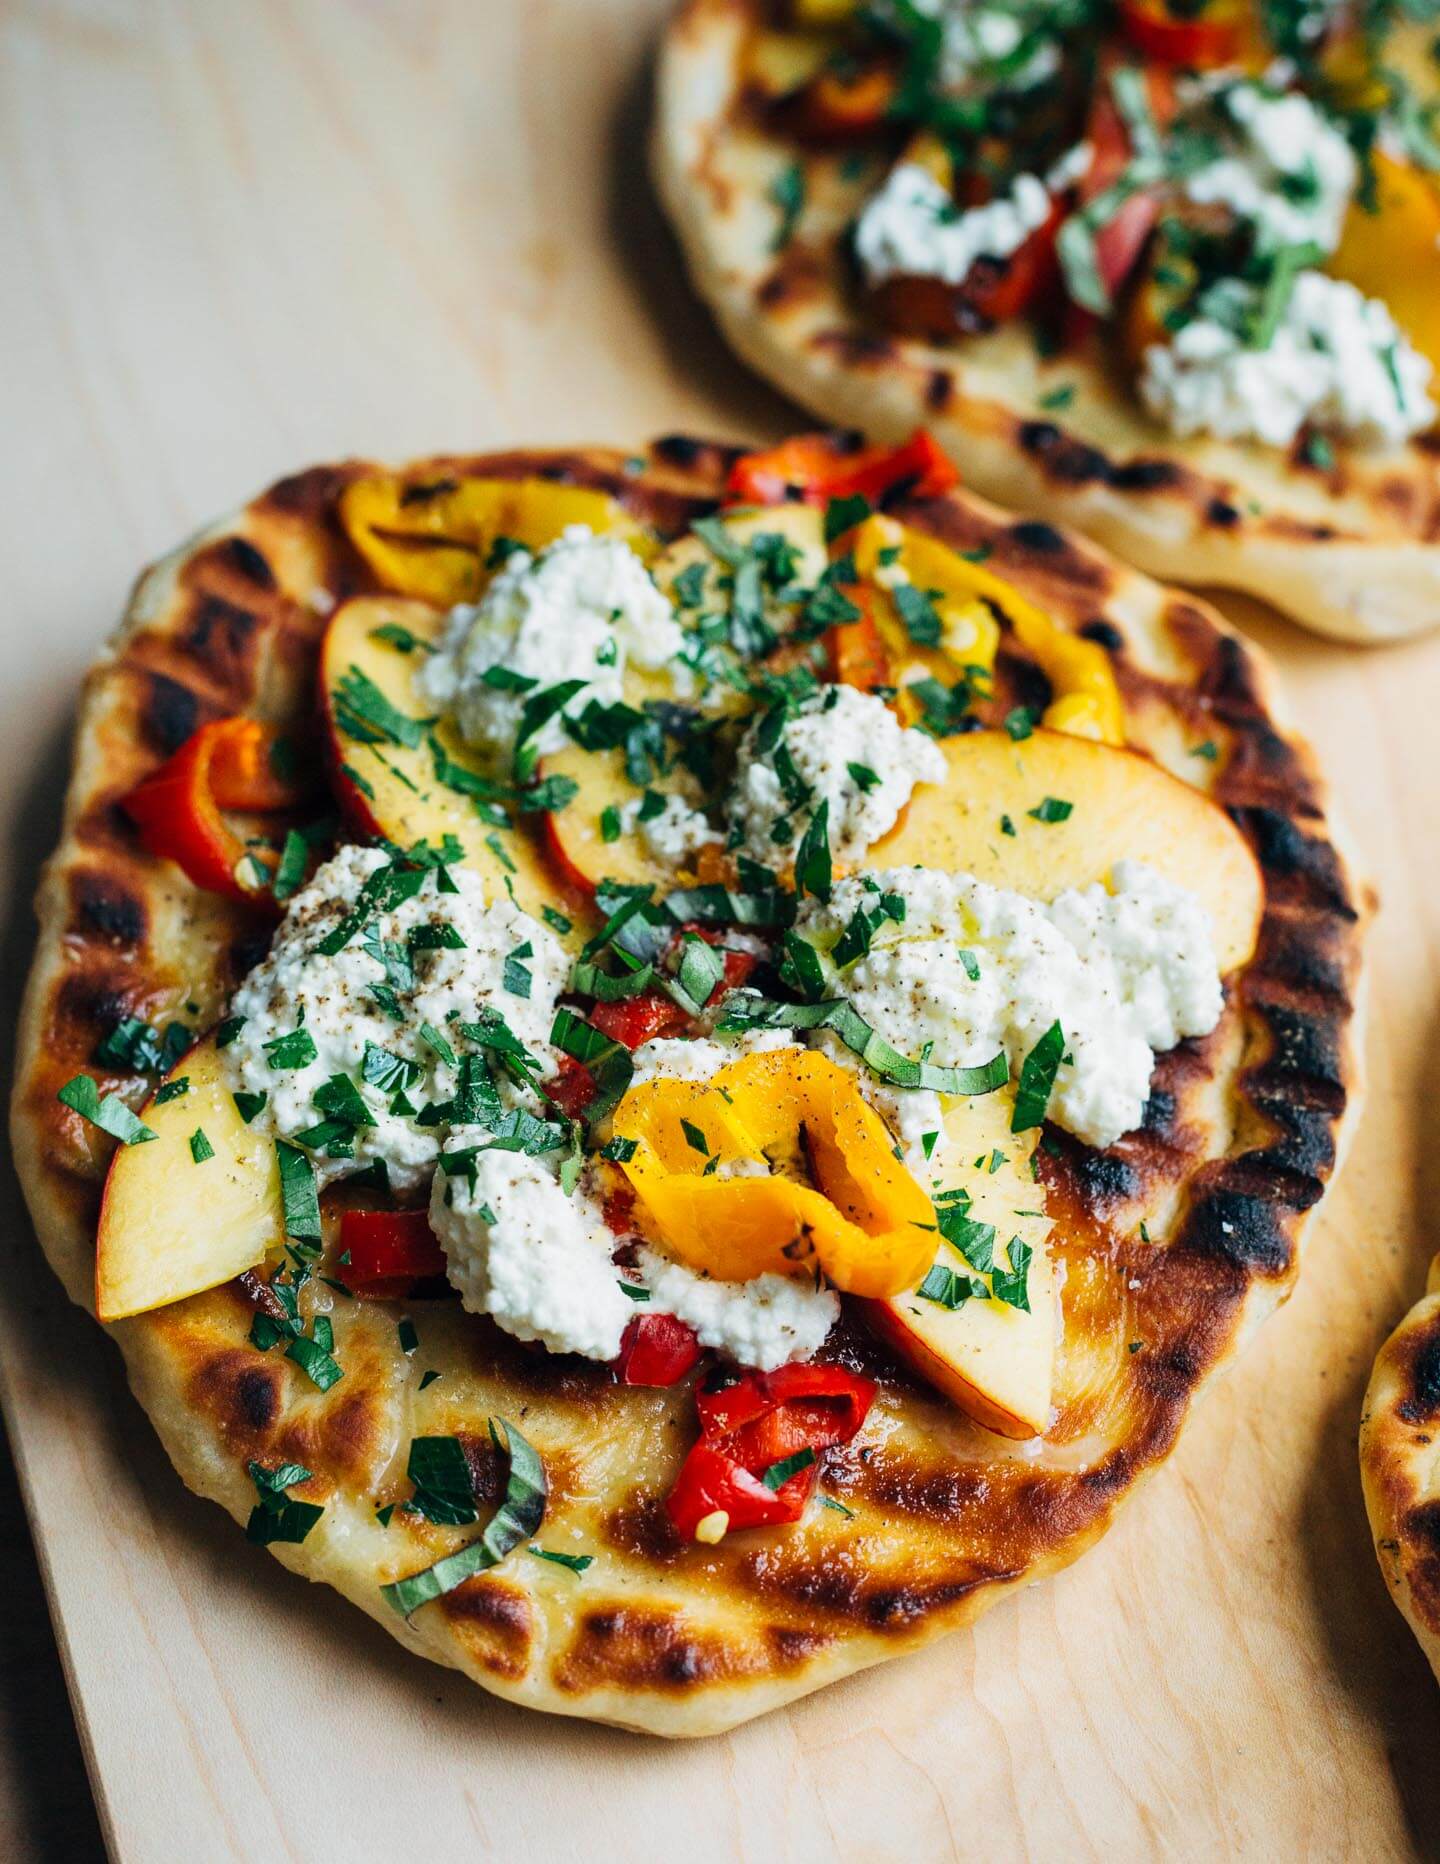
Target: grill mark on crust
1295	997
102	909
494	1624
171	714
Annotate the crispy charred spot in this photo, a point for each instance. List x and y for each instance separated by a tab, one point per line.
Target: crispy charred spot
1240	1227
679	450
219	637
350	1431
250	562
1306	1048
792	1645
1304	956
1104	634
492	1621
313	494
103	909
1287	853
1422	1400
88	1005
171	713
856	348
637	1647
1222	514
1305	1146
240	1389
1067	459
1159	1115
1104	1177
641	1527
1146	475
428	491
939	390
1037	537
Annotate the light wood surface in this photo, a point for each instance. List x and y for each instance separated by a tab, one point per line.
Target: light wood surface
236	239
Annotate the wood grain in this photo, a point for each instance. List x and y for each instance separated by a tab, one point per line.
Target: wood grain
238	239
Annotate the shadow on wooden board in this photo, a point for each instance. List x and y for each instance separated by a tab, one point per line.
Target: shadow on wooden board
651	261
52	1814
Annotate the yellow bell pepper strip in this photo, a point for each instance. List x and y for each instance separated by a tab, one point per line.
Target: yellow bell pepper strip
968	598
868	1226
1391	253
435	542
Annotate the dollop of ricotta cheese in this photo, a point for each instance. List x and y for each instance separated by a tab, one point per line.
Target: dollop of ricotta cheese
674	834
841	747
767	1322
580	609
912	228
975	39
1338	359
306	1016
518	1249
1285	168
972	969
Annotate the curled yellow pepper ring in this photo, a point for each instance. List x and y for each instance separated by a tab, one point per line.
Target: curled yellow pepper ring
433	540
868	1227
1086	701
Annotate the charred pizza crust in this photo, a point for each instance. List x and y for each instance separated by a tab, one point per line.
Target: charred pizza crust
1351	549
1400	1465
1238	1142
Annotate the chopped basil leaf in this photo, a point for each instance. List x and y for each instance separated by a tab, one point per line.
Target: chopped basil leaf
839	1507
1052	809
843	514
516	978
576	1562
428	1378
1007	827
555	920
293	861
200	1147
275	1518
315	1361
363	712
1037	1078
134	1046
172	1090
780	1473
401	639
621	1151
948	1289
971	964
1012	1285
111	1114
787	191
409	1338
295	1050
916	608
813	871
801	969
701	969
298	1193
743	1010
1020	722
863	777
517	1518
610	823
433	1039
444	1487
390	1073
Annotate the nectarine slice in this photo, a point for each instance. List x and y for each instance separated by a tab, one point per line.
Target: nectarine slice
169	1226
996	1361
1121	805
395	789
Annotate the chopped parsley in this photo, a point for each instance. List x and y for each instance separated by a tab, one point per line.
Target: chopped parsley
110	1114
1037	1078
200	1147
787	192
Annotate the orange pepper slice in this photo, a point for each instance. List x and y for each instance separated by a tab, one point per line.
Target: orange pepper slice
865	1224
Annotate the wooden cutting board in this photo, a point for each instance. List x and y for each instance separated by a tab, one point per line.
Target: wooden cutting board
239	239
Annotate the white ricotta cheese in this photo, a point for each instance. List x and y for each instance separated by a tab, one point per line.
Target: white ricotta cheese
1285	168
912	228
975	39
676	835
767	1322
1338	359
1115	972
825	735
518	1249
699	1058
580	610
330	999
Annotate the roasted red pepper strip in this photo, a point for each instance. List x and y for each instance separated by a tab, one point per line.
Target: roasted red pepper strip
177	808
815	468
632	1021
747	1428
713	1495
844	106
571	1088
656	1349
845	1398
388	1246
854	650
1197	41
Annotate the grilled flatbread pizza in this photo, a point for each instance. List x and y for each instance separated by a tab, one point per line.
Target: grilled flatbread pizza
1167	271
1400	1466
672	1071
